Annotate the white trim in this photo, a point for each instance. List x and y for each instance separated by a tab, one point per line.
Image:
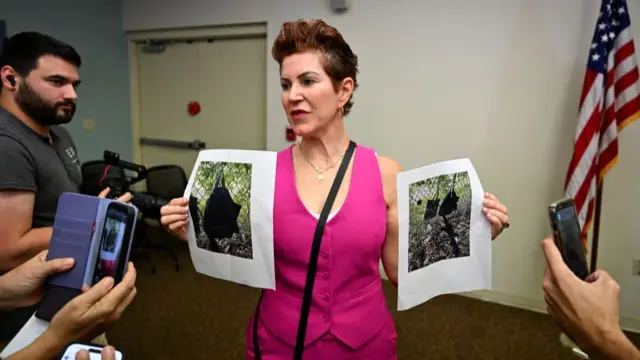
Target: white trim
222	31
213	32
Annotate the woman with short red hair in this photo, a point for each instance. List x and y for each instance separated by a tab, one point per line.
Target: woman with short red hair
343	315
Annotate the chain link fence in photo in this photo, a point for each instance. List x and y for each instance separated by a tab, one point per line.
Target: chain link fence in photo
439	219
234	179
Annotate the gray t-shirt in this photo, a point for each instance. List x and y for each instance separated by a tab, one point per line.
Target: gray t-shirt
29	161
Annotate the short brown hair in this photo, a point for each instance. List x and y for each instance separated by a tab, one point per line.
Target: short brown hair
338	60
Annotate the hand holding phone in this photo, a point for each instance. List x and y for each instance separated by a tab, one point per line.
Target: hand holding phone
567	235
80	351
90	314
23	286
97	233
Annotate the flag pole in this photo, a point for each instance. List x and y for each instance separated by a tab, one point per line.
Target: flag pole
596	226
598	200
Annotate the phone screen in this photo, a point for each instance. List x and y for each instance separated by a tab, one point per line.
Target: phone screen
95	352
114	243
569	235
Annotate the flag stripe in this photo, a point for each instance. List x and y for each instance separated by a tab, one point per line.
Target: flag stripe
627	121
580	163
589	78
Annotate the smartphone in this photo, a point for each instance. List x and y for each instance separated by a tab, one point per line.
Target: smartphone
114	243
97	233
565	226
95	351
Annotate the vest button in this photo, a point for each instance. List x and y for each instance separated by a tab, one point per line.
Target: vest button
325	274
326	296
324	255
325	318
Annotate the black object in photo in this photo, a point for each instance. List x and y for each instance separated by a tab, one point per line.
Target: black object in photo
439	219
221	208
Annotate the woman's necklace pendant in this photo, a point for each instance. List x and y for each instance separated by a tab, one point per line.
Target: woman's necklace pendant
320	177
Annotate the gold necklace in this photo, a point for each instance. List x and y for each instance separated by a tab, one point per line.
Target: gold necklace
319	173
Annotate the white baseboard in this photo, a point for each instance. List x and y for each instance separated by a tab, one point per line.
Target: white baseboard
537	305
508	300
526	303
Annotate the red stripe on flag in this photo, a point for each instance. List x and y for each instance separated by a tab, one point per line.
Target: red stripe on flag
626	80
628	110
589	79
624	52
607	157
582	142
581	196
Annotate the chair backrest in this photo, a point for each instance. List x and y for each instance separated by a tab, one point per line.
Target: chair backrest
94	176
168	181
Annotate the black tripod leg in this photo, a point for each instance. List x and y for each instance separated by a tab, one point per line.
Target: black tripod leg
146	258
168	251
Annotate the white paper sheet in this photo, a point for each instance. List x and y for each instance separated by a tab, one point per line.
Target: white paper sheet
438	255
247	256
30	331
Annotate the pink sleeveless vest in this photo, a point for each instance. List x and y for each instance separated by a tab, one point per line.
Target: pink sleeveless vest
348	301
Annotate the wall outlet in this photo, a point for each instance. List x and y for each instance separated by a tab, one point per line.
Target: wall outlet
636	267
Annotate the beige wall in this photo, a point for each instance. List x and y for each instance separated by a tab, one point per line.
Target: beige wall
496	80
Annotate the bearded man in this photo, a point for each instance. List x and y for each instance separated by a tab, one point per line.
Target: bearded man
38	158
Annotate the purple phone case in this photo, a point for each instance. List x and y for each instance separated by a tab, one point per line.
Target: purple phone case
72	233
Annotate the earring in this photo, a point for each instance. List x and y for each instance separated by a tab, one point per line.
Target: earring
341	110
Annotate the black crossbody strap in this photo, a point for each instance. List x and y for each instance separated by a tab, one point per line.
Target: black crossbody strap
315	250
256	318
313	262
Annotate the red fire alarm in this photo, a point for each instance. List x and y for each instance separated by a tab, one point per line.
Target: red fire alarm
291	136
193	108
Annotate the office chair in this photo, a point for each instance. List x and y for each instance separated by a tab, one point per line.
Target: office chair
95	176
169	182
166	182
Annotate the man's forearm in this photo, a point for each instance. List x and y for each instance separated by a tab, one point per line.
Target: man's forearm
616	346
45	347
7	302
33	242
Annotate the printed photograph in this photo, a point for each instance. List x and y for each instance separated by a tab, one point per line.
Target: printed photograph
220	206
440	218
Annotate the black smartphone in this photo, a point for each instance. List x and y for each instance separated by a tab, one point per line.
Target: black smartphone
563	218
115	242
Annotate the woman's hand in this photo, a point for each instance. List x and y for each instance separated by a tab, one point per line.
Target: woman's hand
24	285
175	217
90	313
496	213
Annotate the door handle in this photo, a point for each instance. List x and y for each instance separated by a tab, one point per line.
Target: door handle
180	144
198	145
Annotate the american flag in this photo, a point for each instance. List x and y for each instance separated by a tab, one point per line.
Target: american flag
611	80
